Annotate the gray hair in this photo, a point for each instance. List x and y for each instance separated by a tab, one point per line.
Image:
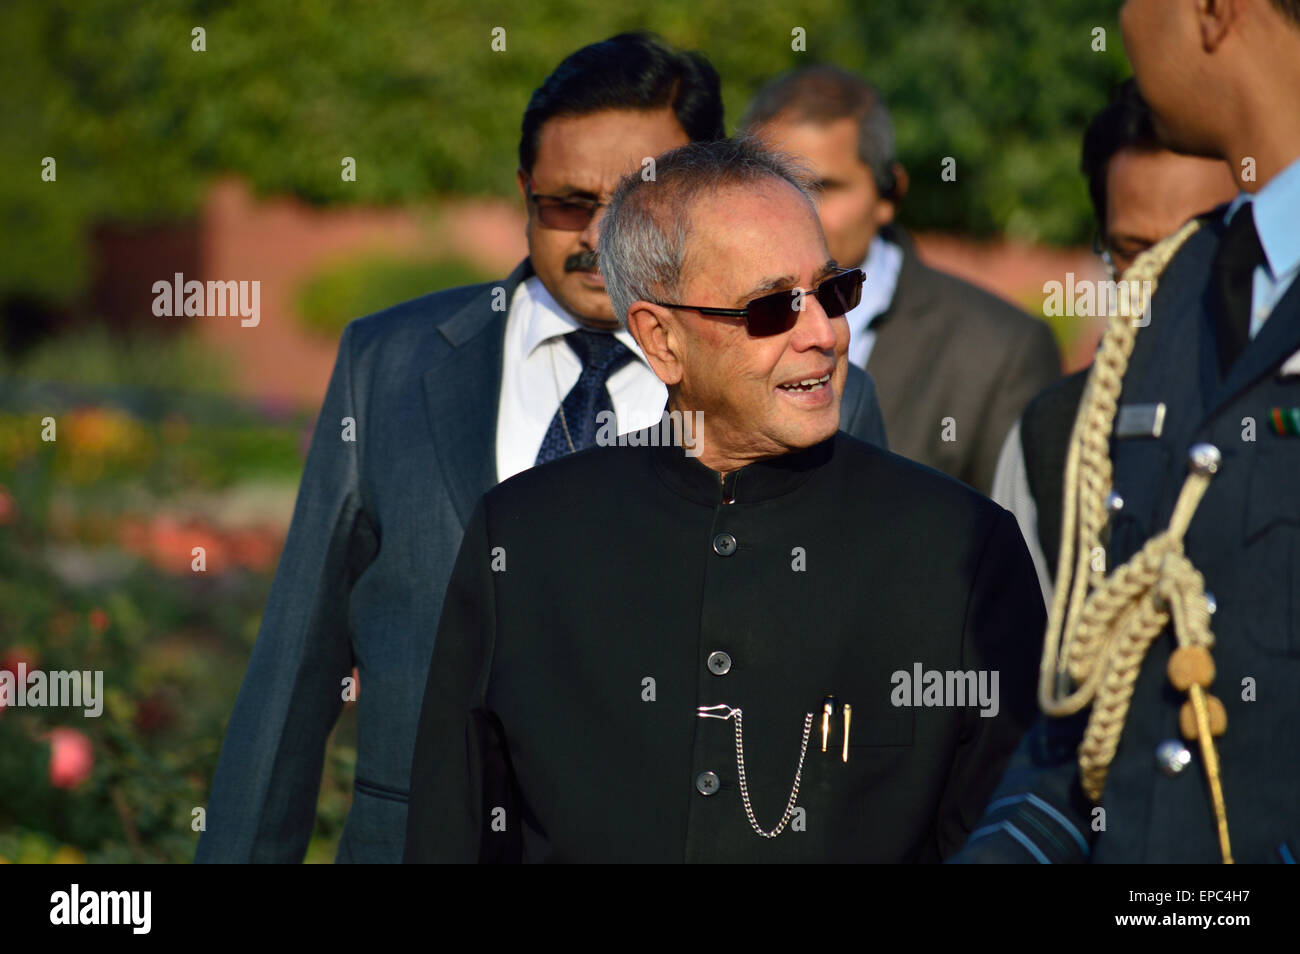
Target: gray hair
823	94
644	233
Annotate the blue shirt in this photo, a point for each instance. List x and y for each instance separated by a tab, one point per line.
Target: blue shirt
1277	219
884	259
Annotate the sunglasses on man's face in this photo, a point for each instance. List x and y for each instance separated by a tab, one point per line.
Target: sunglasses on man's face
778	312
563	212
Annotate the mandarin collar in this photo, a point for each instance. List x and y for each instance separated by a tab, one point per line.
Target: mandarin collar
761	480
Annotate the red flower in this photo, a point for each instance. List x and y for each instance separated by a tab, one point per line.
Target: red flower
7	507
154	713
71	758
98	620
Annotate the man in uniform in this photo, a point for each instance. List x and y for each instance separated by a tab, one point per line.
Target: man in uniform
1204	512
1140	192
783	644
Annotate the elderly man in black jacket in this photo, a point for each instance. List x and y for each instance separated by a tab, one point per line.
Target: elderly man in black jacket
431	403
769	642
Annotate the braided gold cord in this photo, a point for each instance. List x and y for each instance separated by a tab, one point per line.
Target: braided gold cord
1101	625
1088	475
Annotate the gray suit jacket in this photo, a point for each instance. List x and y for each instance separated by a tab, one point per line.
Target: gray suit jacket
946	349
375	532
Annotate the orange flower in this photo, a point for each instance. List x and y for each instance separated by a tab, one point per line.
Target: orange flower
255	549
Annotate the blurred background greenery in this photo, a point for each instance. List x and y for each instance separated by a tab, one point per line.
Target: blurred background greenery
337	293
158	448
138	122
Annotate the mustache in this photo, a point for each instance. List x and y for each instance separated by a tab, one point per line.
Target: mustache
585	261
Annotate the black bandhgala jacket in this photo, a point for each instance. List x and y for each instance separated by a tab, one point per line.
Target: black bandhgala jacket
560	717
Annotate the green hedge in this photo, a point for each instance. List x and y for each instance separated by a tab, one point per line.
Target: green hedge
335	295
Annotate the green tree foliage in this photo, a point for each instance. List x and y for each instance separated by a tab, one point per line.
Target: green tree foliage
139	122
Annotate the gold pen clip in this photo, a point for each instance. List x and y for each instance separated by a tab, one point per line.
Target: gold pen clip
828	709
848	717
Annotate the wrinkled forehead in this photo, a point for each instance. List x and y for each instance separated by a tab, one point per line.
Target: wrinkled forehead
741	234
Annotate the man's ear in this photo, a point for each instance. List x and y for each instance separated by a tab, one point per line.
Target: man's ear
521	179
887	207
1216	18
901	181
659	339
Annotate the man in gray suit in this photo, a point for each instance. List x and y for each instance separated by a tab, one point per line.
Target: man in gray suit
955	365
431	403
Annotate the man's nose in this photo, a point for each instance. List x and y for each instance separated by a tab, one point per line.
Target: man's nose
591	234
813	328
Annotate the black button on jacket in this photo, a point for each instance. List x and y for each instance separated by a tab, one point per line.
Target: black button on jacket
560	718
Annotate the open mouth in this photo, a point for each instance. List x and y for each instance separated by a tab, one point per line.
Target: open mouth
807	384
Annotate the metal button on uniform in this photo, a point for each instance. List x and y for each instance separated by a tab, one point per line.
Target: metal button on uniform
724	544
719	663
1205	459
1114	502
1173	757
707	783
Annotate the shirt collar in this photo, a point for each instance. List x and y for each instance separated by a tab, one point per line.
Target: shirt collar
1276	207
546	318
761	480
883	262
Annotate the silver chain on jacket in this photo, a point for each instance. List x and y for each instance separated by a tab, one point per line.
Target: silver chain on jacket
706	712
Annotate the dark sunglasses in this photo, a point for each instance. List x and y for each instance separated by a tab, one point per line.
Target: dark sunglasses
778	312
561	212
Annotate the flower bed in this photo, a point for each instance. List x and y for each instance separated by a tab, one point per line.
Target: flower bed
98	530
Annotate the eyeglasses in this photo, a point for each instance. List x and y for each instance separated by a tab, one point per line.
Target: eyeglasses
778	312
563	212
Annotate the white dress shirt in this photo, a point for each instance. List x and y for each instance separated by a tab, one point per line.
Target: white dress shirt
884	259
539	369
1011	490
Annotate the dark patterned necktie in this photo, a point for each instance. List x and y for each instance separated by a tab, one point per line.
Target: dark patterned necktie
1232	280
601	355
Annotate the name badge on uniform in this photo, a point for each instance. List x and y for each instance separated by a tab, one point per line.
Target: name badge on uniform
1140	420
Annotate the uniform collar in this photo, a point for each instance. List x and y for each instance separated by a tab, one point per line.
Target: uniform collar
761	480
1276	207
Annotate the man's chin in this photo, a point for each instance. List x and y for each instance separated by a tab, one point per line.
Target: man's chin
588	303
808	428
